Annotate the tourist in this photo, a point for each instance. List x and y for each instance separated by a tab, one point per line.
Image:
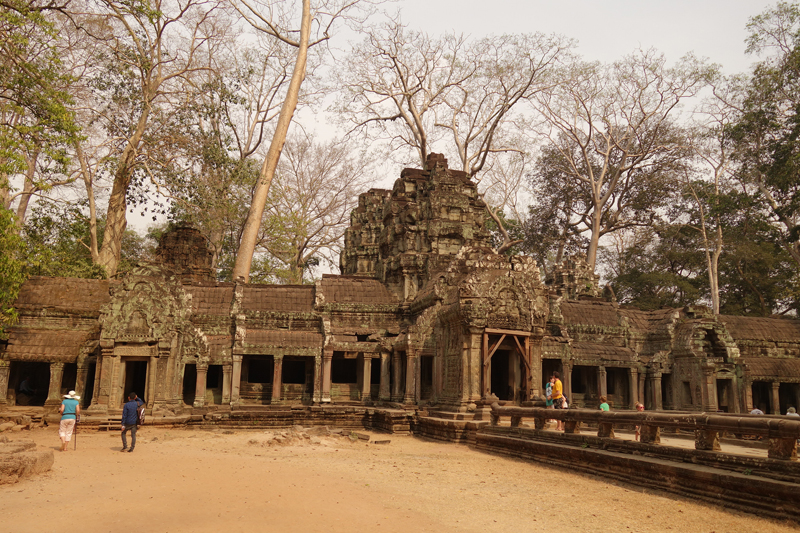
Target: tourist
558	398
637	431
756	411
604	404
548	394
792	412
130	421
70	411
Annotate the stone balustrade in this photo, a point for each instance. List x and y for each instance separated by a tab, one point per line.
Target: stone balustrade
782	432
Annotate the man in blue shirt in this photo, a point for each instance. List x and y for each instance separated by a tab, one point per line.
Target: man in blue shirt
130	421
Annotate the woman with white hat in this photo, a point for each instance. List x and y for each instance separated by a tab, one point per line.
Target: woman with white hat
70	410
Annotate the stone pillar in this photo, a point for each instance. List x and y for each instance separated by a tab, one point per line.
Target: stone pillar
317	379
633	387
748	396
226	384
486	369
709	388
386	385
103	377
366	375
566	380
602	381
152	380
277	378
776	399
655	386
200	385
80	380
327	357
162	371
54	391
640	392
411	373
236	379
397	374
5	369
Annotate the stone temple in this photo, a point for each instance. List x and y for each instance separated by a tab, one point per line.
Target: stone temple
425	318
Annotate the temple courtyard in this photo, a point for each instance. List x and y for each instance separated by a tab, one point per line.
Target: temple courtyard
224	480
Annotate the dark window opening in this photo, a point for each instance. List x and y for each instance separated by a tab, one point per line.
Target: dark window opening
69	378
88	392
31	382
762	396
294	371
344	370
375	371
260	369
214	377
426	377
501	387
580	378
362	338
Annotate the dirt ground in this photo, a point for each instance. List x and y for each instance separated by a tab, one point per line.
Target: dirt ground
183	480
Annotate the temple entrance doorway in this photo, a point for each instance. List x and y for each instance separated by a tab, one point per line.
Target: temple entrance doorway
189	384
762	396
506	365
29	382
725	401
789	395
426	377
135	379
501	384
548	367
88	392
297	378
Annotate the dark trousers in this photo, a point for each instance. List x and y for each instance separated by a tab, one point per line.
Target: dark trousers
133	436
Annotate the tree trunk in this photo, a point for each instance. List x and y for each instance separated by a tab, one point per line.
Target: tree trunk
247	246
87	180
116	220
594	240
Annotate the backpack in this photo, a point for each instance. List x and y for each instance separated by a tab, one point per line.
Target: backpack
140	414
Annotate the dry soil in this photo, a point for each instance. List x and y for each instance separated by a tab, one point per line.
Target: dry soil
196	481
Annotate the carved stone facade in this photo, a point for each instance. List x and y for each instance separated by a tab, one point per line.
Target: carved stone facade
425	314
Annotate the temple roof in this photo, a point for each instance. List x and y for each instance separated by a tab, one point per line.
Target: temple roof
758	328
31	344
69	294
357	290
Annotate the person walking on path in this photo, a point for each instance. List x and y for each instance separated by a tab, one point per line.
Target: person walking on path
130	421
604	404
70	410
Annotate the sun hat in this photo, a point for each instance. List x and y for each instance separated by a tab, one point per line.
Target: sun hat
72	395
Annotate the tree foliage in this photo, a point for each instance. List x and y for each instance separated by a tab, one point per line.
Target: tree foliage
12	270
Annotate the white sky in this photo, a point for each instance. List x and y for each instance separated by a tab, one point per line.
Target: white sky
606	31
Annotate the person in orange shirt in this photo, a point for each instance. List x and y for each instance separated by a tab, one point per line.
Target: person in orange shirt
558	398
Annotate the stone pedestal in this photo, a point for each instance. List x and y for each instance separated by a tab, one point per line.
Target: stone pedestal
605	429
705	439
572	426
785	449
649	434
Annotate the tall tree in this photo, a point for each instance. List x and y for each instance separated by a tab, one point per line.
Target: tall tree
152	48
271	20
767	135
613	128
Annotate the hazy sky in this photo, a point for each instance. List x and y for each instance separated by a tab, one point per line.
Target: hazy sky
607	29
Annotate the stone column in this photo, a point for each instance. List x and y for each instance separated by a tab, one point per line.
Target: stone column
54	391
5	369
277	378
80	380
366	375
236	379
709	390
317	378
748	396
633	387
655	386
103	377
397	374
602	381
200	385
640	392
152	380
411	372
226	384
327	357
776	399
163	384
386	385
566	382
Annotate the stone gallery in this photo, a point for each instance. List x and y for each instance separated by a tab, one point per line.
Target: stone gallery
424	316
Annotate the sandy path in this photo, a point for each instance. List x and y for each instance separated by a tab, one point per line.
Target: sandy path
183	480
